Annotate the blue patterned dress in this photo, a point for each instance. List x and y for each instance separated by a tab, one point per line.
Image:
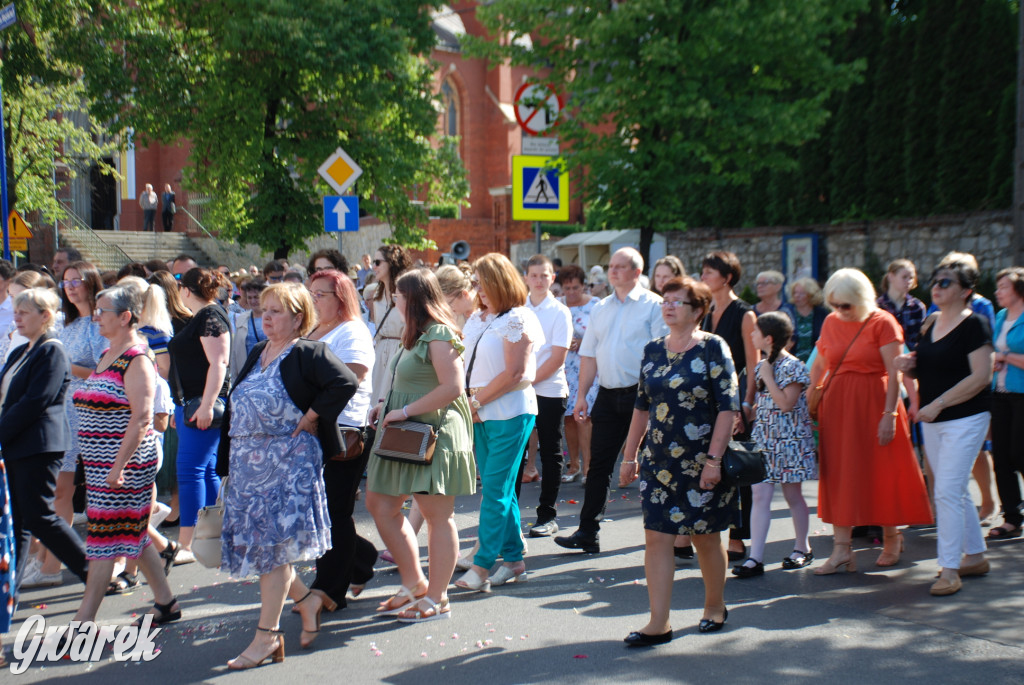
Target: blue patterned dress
787	438
580	321
275	506
7	560
684	393
84	346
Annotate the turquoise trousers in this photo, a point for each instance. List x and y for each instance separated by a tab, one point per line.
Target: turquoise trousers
499	447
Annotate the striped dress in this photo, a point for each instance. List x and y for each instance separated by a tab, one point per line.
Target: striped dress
118	517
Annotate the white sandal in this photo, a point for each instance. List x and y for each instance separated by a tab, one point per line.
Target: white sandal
403	591
440	611
471	581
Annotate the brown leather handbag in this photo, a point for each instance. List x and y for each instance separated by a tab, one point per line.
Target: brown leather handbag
411	442
352	442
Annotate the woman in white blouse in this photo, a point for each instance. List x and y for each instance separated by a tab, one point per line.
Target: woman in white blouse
500	369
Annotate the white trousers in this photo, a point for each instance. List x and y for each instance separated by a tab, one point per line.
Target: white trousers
952	448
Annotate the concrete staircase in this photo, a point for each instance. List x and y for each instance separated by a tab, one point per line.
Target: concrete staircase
113	249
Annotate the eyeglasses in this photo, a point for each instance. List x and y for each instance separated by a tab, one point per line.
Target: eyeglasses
99	311
378	262
320	294
759	284
672	304
275	279
941	283
73	283
842	306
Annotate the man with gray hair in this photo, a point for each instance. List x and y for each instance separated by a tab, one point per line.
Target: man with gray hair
612	349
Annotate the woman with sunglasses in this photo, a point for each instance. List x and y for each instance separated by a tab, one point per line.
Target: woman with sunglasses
389	262
868	469
953	366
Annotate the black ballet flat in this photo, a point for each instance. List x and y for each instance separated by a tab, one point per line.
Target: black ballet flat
683	552
638	639
789	563
744	571
706	625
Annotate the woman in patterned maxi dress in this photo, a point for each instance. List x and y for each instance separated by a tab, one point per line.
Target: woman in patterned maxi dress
118	447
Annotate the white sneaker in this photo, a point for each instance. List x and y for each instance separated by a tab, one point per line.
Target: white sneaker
157	517
34	577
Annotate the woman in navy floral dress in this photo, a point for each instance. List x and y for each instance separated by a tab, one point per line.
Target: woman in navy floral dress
685	406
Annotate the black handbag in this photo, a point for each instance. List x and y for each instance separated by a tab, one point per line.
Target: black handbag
192	406
743	464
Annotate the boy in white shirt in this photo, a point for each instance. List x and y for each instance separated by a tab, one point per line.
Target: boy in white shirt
550	385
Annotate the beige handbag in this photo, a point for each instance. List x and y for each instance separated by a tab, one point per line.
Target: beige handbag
206	543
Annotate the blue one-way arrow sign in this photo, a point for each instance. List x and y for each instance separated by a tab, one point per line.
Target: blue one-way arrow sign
341	213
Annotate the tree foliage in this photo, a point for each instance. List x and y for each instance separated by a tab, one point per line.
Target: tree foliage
670	101
45	102
265	91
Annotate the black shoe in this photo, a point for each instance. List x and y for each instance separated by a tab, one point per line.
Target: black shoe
684	552
638	639
171	524
543	530
738	556
744	571
706	625
789	563
591	544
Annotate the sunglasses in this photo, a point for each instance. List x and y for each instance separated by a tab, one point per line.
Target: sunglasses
841	306
73	283
275	279
177	277
378	262
941	283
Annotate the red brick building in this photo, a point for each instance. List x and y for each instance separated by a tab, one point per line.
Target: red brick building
477	106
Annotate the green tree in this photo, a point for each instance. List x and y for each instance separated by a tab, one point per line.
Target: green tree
266	91
46	126
668	97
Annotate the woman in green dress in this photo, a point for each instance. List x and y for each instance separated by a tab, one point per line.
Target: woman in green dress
428	387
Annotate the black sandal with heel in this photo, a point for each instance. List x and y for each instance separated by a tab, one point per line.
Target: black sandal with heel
164	615
169	554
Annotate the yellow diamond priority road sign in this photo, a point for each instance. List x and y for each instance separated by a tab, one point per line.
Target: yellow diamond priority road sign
340	171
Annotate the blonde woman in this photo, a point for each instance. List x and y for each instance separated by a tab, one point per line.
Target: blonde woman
869	473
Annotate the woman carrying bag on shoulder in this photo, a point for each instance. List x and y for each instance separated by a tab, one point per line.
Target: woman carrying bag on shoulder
282	420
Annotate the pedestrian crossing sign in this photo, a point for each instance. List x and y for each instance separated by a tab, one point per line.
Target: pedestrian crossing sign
540	189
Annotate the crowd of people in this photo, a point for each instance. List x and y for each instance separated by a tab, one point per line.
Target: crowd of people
275	391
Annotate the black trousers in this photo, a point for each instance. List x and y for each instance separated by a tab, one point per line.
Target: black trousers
148	219
610	417
1008	452
33	482
550	424
168	220
351	557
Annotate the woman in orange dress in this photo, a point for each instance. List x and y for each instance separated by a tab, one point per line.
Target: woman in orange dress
869	472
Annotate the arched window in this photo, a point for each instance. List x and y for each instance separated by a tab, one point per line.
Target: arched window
450	114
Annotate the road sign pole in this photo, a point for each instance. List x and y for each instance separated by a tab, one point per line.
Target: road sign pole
536	229
340	249
3	177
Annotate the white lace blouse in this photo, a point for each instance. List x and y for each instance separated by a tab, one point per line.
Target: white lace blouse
486	336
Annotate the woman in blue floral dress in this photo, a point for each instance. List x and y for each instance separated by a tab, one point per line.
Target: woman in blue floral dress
686	403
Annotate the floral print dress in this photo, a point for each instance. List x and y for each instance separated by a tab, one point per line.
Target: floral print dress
684	393
580	321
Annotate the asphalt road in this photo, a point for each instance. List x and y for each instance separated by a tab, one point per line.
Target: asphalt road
567	622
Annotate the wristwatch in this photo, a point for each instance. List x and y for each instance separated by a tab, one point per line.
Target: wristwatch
475	403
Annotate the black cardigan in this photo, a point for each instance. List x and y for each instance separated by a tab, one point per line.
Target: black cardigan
33	419
313	377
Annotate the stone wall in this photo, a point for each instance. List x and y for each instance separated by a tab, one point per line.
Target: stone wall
988	236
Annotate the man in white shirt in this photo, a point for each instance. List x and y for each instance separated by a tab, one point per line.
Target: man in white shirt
613	346
550	385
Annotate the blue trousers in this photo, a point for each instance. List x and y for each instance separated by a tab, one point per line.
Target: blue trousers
499	448
198	483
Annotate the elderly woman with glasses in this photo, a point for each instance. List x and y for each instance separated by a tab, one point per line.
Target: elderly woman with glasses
768	285
869	473
953	366
120	455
